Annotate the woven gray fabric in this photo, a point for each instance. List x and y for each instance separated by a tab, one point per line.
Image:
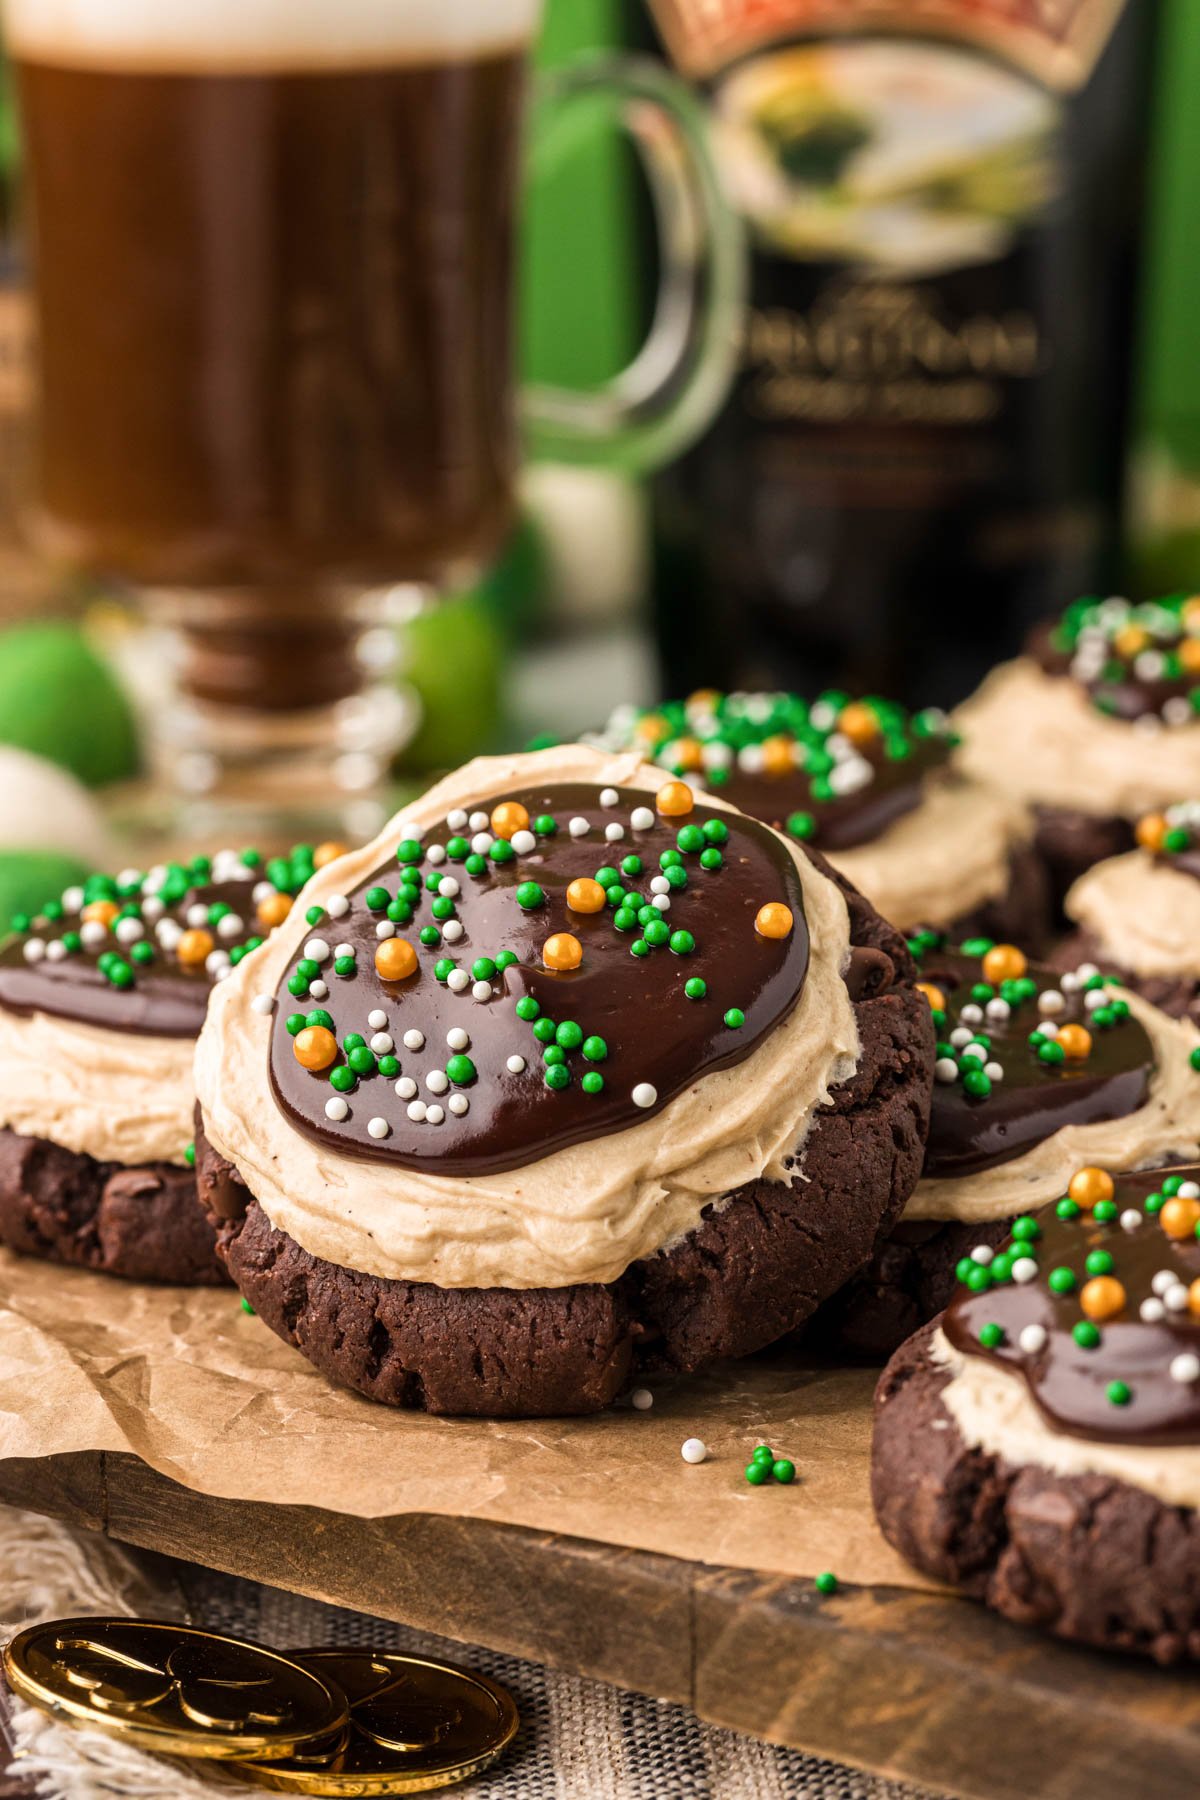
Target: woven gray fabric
580	1740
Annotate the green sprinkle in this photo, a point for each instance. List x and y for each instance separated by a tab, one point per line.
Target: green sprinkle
483	969
690	839
976	1083
1118	1393
343	1079
344	965
1061	1281
527	1007
505	960
475	864
444	967
980	1278
247	1308
545	825
1026	1227
458	849
1153	1203
593	1082
552	1054
594	1048
429	935
318	1016
502	851
1086	1335
389	1066
1104	1211
1066	1208
801	825
378	898
314	915
682	943
1172	1185
711	858
1099	1262
1194	1057
695	989
735	1018
569	1035
625	919
296	1023
608	877
639	947
1051	1052
400	911
764	1454
826	1582
544	1031
529	896
716	831
144	953
757	1473
631	865
409	851
783	1471
676	876
189	1155
558	1076
362	1060
991	1336
670	859
657	932
442	907
461	1071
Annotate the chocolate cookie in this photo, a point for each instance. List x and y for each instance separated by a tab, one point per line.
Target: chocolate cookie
1070	842
754	1262
144	1223
1040	1447
1000	1093
871	786
101	998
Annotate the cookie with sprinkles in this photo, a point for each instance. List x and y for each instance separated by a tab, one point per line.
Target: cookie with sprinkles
873	787
1037	1072
102	996
1097	724
537	1094
1039	1446
1139	914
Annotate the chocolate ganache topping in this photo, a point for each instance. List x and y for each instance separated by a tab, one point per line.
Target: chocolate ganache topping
550	969
1095	1302
835	773
1136	662
1022	1052
140	952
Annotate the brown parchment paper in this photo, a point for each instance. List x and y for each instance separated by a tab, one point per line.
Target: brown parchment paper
205	1394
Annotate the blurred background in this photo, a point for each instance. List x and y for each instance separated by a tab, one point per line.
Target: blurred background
966	390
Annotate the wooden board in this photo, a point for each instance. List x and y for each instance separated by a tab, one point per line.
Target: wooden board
921	1687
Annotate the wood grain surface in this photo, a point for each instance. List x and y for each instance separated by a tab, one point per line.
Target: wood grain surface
926	1688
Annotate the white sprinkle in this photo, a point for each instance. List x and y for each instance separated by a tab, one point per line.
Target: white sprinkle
224	972
1094	999
515	1065
660	885
231	925
319	990
197	916
1024	1269
73	899
317	948
263	1003
1131	1219
437	1081
129	877
414	1039
1166	1278
406	1087
1085	971
343	950
457	980
262	890
167	931
1185	1367
56	950
482	842
578	827
1048	1029
1188	1190
609	796
378	1128
336	1109
994	1071
998	1009
459	1104
382	1044
752	759
453	930
385	929
479	821
434	1115
1032	1339
850	776
449	887
1176	1298
642	1399
337	906
458	820
128	931
216	960
417	1111
614	832
377	1020
945	1070
1151	1312
152	908
523	842
1177	711
983	1254
960	1036
436	853
642	819
662	903
481	990
457	1038
693	1450
644	1095
971	1015
1069	982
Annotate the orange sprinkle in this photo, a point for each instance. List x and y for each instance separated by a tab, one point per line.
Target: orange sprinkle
1194	1298
562	951
273	909
858	722
1004	962
315	1047
1102	1297
1130	641
778	754
774	920
327	853
1189	654
586	896
1076	1041
1087	1186
687	753
194	947
674	799
508	818
100	912
1179	1218
395	959
650	729
933	994
1151	830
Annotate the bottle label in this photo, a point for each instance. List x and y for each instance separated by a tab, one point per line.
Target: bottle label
1058	42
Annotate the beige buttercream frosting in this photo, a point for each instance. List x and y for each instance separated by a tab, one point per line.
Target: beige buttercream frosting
1167	1125
995	1412
1144	913
944	859
120	1096
582	1214
1051	745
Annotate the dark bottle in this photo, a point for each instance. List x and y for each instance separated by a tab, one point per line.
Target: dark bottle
925	447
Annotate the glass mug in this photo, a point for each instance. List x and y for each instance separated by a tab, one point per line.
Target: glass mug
273	247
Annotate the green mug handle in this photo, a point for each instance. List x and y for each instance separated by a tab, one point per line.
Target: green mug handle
652	410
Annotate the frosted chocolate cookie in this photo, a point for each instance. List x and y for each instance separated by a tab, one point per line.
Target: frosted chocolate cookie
596	1075
1138	915
1038	1074
874	788
1097	724
1040	1446
102	996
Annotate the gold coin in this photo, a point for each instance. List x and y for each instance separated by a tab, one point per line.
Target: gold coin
170	1689
414	1725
